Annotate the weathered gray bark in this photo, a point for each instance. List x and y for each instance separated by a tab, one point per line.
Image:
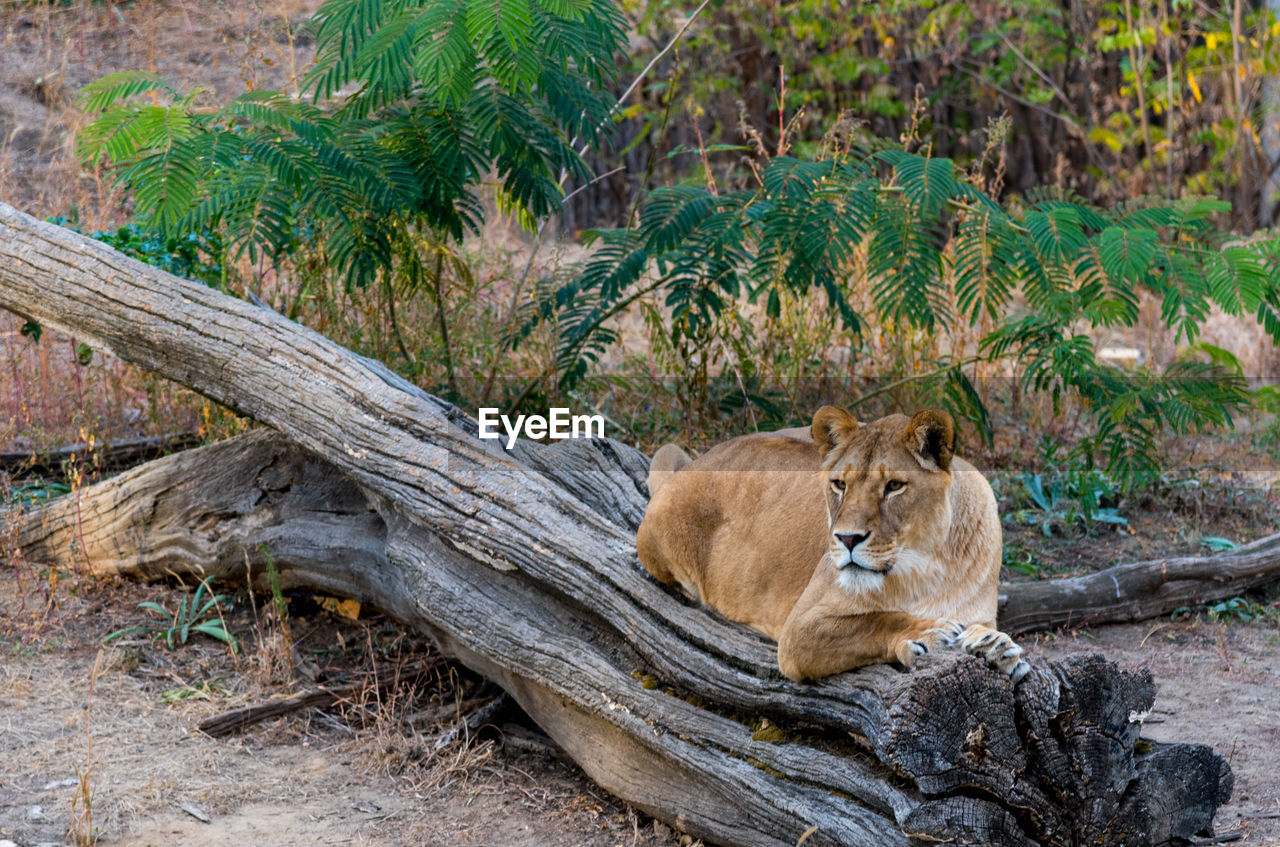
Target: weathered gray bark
522	565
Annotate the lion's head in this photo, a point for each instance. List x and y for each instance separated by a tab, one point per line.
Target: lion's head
886	486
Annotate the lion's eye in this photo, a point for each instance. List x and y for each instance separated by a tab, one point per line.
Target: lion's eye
838	485
894	485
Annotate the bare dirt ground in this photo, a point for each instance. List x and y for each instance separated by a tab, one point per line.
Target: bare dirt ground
121	720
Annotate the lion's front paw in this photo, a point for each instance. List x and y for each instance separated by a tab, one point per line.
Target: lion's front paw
947	633
909	649
942	635
998	649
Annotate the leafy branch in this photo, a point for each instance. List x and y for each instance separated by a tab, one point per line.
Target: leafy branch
442	94
935	252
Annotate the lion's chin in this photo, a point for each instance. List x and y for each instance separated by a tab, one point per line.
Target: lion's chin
850	565
859	579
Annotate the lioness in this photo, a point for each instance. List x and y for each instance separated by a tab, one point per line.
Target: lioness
848	544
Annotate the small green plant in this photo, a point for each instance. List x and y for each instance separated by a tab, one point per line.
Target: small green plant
278	600
1217	544
1268	438
192	255
1233	608
200	612
1083	496
1046	499
202	690
1090	490
1076	498
1021	560
1236	607
37	493
1267	401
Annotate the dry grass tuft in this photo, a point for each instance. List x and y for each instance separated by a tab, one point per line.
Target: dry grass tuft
81	829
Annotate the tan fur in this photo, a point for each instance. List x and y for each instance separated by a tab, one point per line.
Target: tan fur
753	528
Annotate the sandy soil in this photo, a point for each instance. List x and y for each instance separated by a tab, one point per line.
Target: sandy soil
327	777
314	777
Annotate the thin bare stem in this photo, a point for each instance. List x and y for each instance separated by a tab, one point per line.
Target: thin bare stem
395	323
438	286
1137	65
1036	69
898	383
1170	115
518	291
550	369
586	185
657	58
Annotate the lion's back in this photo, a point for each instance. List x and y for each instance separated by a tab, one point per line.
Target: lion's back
740	528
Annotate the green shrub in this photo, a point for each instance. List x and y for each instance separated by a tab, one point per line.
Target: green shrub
934	254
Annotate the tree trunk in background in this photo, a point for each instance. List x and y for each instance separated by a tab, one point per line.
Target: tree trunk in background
1139	590
522	565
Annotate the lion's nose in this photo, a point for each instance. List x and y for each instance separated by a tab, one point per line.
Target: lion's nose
851	539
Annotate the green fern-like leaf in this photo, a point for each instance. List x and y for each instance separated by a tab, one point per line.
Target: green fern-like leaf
985	266
1127	254
927	183
109	91
1057	232
446	62
672	214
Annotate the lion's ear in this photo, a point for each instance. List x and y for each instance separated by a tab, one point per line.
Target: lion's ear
931	436
831	427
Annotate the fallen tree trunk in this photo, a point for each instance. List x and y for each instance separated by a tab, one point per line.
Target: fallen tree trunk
521	564
222	509
1139	590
